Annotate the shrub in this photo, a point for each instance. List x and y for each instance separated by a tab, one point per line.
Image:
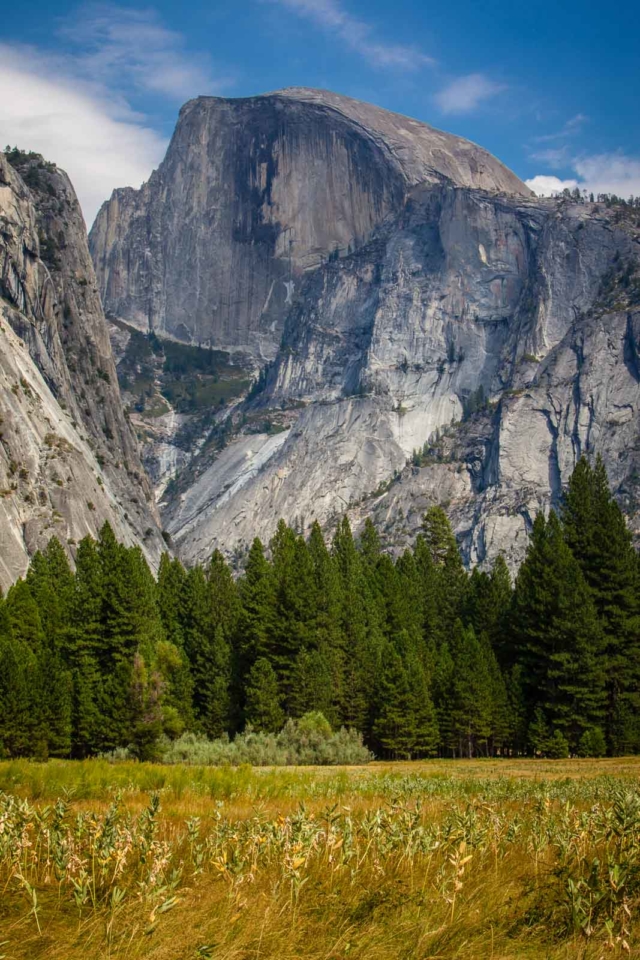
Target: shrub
304	742
557	746
592	743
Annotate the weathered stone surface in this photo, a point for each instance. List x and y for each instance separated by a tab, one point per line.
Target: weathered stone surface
389	272
254	192
384	347
68	458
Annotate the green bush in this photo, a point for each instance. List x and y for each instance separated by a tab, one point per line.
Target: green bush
592	743
309	741
557	747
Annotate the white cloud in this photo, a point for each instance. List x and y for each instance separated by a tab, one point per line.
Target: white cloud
331	16
601	173
99	144
121	45
610	173
75	108
547	186
465	93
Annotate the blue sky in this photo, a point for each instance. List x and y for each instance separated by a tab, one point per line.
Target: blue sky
552	89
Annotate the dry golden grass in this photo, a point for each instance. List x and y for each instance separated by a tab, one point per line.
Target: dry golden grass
495	859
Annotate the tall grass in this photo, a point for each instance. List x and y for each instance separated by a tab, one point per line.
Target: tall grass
425	860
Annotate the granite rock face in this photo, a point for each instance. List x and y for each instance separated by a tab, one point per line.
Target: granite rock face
531	307
251	195
68	458
433	332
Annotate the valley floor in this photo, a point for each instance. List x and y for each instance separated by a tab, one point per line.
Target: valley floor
496	859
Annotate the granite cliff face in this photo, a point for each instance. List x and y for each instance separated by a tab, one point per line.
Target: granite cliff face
252	194
516	319
434	333
68	458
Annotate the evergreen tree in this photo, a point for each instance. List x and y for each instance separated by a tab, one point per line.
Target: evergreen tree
597	534
394	723
17	719
327	628
258	595
472	704
295	605
426	733
443	699
209	655
448	573
84	652
51	583
311	684
262	706
171	586
225	601
438	536
557	633
24	616
361	629
54	684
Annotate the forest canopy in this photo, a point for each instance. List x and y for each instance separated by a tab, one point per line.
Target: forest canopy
420	656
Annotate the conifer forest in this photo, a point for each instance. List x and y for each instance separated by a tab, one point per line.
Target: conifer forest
420	657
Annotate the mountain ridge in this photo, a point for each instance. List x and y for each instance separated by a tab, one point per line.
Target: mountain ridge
68	458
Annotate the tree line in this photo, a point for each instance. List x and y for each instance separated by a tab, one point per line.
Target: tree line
420	656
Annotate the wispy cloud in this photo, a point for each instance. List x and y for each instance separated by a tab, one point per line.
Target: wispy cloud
600	173
76	108
554	157
465	94
357	34
119	45
569	129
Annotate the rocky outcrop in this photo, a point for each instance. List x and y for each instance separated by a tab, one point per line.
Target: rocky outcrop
251	195
528	310
433	332
68	458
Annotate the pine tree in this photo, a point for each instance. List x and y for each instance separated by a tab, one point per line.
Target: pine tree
87	641
433	628
487	603
438	535
449	580
54	682
84	651
131	627
327	630
209	656
17	719
361	630
394	723
295	605
170	598
51	583
217	715
262	706
443	698
597	534
24	616
225	601
426	733
557	633
472	704
258	596
311	684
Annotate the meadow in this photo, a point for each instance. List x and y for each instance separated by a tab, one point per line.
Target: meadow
437	859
